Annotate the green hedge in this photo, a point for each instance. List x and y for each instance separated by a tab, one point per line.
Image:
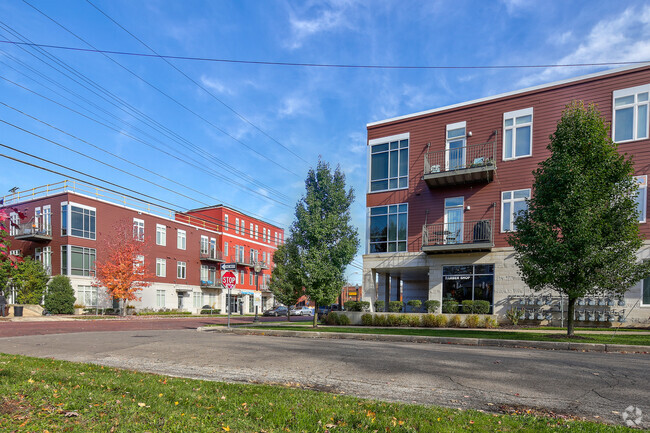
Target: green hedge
395	306
379	305
415	304
212	311
450	306
431	306
366	319
357	305
476	307
336	319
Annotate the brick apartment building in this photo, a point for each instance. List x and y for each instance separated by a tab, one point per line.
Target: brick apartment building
444	184
66	223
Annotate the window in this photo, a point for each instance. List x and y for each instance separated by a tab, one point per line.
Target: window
257	232
225	249
468	282
242	227
46	259
138	265
198	299
213	249
18	253
631	113
47	219
87	296
181	240
512	202
518	133
205	273
388	228
205	246
160	298
264	234
161	268
241	277
79	221
455	146
161	235
138	229
181	270
78	260
389	159
250	278
225	222
250	232
642	197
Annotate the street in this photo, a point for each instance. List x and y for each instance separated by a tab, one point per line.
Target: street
592	385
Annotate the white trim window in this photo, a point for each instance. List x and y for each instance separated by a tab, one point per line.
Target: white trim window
43	255
78	260
14	220
455	146
161	234
512	202
387	229
257	232
630	117
205	245
642	197
181	270
181	240
47	219
87	296
17	253
237	225
197	299
225	222
161	268
251	231
225	250
138	265
160	298
264	234
138	229
518	134
79	219
388	162
205	273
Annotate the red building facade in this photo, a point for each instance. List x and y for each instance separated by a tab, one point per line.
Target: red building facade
444	186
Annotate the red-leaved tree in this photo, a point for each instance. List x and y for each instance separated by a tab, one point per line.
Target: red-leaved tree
121	268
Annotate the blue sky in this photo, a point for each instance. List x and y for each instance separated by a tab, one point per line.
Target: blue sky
311	111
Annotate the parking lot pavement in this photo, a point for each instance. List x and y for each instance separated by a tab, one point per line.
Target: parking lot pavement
592	385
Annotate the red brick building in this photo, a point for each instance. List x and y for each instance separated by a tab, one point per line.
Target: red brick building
444	184
66	223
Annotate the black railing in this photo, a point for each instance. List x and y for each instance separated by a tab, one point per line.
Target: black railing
471	156
458	233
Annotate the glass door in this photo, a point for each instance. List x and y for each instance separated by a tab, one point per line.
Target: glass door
455	146
453	233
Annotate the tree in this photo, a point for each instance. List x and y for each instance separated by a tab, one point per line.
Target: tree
325	239
8	263
286	279
30	280
60	297
580	233
121	269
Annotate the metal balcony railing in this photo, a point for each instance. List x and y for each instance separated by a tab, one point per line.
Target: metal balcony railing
458	235
469	163
214	255
36	229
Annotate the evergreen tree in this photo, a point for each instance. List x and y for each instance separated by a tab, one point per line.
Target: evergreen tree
580	234
30	281
60	296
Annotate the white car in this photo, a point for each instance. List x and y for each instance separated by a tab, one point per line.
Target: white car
301	311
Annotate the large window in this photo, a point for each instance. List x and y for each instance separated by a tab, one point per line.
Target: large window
161	267
78	260
631	113
388	229
518	133
389	163
455	146
205	245
161	235
225	222
87	296
512	202
181	270
138	229
468	282
181	240
198	299
160	298
642	197
43	255
78	221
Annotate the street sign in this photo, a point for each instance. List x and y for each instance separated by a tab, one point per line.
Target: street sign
228	266
229	280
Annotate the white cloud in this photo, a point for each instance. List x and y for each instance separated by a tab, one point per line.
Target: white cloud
624	38
294	106
216	85
334	15
515	6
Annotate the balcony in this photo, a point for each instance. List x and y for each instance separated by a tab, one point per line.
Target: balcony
468	164
210	284
212	256
463	236
32	231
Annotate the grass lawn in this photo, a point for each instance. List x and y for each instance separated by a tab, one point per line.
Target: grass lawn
47	395
626	338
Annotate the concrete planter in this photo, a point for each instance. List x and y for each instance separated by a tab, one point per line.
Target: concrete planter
355	316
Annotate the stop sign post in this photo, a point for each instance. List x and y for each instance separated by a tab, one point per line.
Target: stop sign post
228	279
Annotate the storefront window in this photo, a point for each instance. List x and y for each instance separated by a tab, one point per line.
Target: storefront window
468	282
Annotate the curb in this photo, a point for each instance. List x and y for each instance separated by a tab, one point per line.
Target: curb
483	342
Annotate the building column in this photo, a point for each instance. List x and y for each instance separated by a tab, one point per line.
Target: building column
386	290
435	285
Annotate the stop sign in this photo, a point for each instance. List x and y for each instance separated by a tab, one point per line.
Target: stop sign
228	279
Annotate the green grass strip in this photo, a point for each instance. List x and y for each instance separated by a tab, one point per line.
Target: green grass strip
48	395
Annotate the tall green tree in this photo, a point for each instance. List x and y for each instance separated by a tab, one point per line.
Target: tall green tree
60	296
286	278
325	239
30	281
580	233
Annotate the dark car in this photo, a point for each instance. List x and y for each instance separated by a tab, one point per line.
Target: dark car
323	311
280	310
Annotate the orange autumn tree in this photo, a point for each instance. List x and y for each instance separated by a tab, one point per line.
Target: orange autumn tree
121	268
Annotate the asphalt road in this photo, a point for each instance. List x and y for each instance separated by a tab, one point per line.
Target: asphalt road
585	384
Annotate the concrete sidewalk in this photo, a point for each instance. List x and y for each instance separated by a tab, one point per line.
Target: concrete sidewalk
483	342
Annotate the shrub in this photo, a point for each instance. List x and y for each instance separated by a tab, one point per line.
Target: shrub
331	318
60	297
212	311
392	320
472	321
481	307
515	314
395	306
450	306
379	305
414	321
415	304
352	306
342	320
365	305
455	321
431	306
468	306
429	320
489	322
441	321
366	319
379	320
403	319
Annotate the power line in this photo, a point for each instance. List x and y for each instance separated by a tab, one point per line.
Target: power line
241	116
176	101
325	65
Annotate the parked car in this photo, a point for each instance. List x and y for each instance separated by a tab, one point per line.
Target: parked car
280	310
323	311
301	311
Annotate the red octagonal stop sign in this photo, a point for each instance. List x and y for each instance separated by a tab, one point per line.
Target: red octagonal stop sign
229	280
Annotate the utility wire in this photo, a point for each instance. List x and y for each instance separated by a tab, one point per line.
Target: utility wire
196	83
162	92
327	65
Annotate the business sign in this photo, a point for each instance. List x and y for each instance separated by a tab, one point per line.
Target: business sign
229	280
228	266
